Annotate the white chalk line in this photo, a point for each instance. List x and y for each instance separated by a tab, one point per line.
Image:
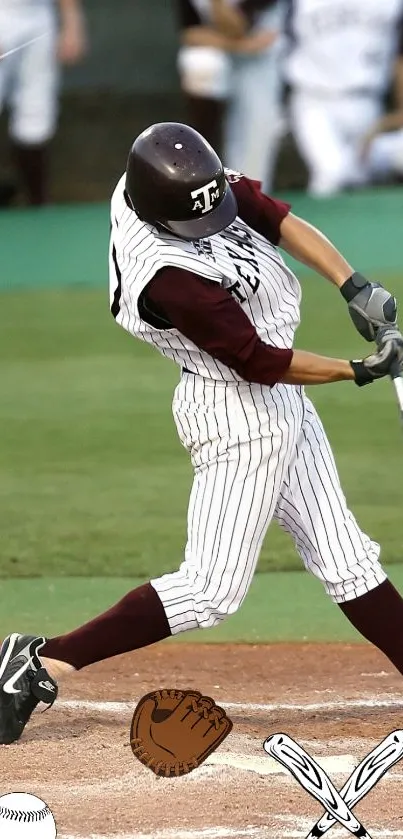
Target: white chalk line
337	766
203	833
337	705
297	829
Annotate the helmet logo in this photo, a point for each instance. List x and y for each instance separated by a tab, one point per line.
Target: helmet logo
205	196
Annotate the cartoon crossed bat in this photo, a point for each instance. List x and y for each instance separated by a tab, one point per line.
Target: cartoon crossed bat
316	782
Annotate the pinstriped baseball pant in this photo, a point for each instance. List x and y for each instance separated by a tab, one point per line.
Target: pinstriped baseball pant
258	453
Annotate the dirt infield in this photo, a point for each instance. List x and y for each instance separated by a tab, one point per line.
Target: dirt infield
337	700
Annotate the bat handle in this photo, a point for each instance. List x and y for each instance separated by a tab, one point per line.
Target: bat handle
394	371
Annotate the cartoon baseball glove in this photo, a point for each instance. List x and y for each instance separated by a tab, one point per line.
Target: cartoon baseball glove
173	731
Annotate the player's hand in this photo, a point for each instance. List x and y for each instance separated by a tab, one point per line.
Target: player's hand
369	304
228	19
72	41
391	333
389	341
366	143
254	44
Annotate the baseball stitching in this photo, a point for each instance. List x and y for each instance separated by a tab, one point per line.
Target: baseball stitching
27	816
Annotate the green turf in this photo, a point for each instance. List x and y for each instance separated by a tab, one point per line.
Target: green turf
93	480
279	607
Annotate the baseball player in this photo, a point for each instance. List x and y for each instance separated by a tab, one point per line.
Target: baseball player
339	65
229	65
32	43
382	147
195	271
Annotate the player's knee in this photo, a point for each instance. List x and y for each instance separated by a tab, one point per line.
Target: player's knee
215	610
33	129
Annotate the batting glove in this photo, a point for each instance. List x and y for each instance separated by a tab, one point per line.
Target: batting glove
391	333
390	348
369	304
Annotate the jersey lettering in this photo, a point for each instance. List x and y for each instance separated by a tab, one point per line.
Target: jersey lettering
244	242
234	289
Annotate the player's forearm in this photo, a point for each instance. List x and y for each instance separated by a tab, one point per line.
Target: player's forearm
204	36
70	11
310	369
228	20
309	246
389	122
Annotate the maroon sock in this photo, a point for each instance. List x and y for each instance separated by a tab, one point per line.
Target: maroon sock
137	620
32	164
378	616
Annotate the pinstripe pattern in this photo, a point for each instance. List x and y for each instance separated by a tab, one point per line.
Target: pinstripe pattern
258	453
240	259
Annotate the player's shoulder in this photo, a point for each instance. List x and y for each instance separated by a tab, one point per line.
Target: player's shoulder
232	175
241	184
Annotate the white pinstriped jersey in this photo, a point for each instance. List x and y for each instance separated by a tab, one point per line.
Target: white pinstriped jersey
238	258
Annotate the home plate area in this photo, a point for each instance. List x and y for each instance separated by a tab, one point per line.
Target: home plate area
337	701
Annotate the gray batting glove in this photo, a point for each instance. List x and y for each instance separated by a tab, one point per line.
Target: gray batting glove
369	304
390	347
391	333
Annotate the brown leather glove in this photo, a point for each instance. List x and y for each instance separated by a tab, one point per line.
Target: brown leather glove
173	731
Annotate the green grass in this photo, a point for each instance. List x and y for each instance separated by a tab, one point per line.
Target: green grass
93	480
287	606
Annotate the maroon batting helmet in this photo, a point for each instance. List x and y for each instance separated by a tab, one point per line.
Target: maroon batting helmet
175	179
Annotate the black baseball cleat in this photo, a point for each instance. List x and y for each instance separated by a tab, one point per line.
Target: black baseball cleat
24	682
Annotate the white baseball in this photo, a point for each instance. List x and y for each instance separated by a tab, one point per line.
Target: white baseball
24	816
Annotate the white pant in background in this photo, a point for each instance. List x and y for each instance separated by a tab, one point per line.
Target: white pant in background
328	130
258	453
29	77
385	155
252	87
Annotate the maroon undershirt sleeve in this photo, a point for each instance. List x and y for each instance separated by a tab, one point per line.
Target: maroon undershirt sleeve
261	212
206	314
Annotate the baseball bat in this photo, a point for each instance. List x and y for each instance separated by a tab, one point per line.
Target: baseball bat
397	380
22	46
314	780
365	776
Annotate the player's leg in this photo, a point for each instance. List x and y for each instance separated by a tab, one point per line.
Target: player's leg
385	155
312	508
356	115
254	121
240	443
7	70
316	130
34	104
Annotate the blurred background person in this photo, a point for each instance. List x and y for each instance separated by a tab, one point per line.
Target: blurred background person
38	37
230	70
382	147
339	63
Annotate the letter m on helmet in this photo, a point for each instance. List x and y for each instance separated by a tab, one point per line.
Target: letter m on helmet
205	196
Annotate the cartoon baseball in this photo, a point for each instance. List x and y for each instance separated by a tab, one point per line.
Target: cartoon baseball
24	816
